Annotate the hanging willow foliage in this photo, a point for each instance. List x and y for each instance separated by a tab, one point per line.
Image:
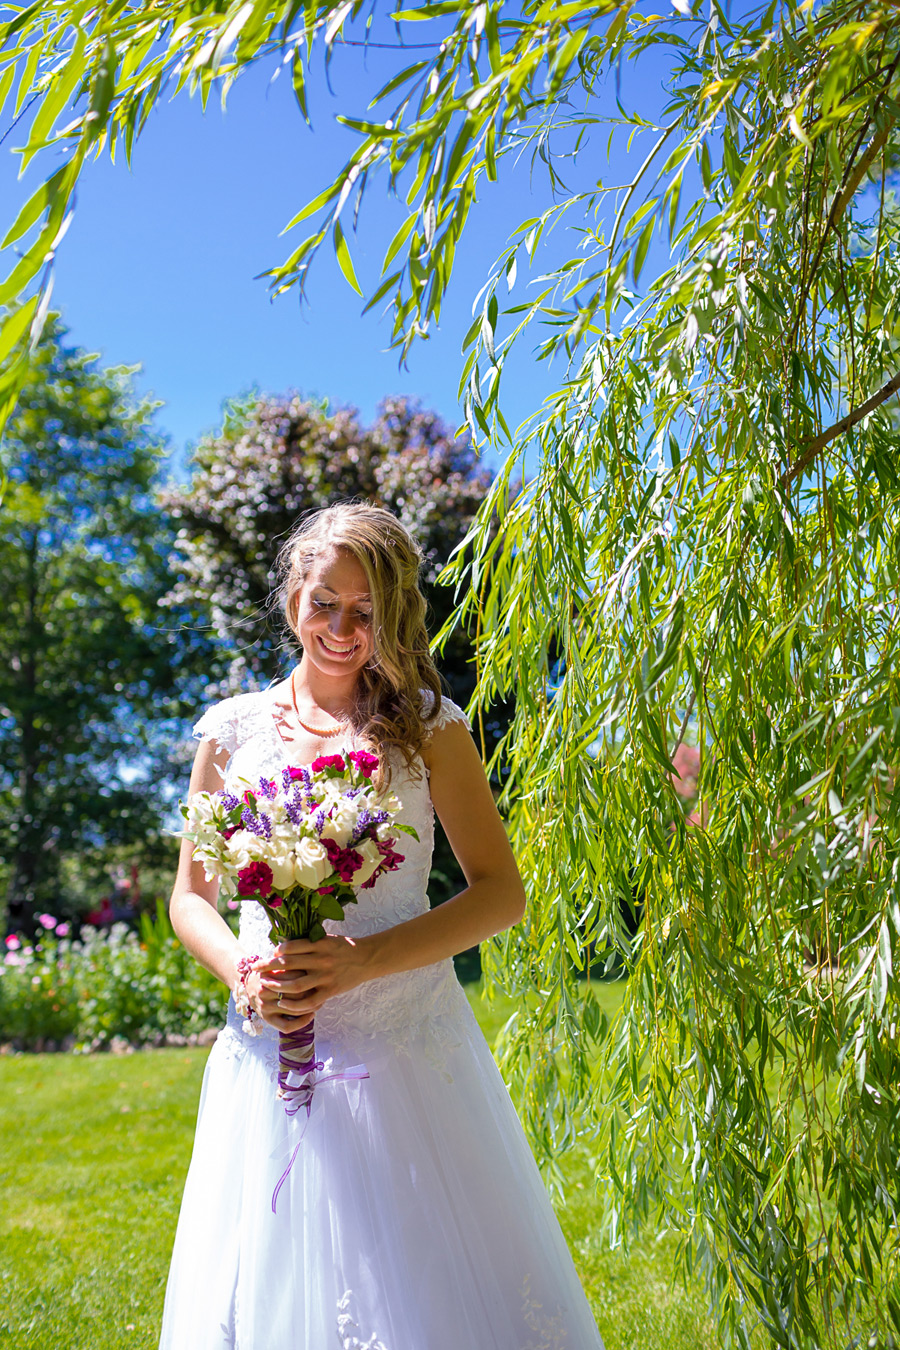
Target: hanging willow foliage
706	556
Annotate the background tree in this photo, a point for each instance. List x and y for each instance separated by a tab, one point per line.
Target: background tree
274	460
708	549
87	671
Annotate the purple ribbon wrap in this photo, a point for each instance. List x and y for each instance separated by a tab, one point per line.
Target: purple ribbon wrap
299	1074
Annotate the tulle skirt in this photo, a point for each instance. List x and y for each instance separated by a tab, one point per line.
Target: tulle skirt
413	1218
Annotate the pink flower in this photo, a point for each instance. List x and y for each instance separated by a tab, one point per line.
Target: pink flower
328	762
62	930
275	902
295	773
325	890
366	763
13	942
47	921
233	904
255	879
13	959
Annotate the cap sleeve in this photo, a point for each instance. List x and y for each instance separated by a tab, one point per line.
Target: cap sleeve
220	724
447	713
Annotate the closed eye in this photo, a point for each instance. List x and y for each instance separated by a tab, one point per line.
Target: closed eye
365	615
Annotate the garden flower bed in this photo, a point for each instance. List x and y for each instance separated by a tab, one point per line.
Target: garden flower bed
114	989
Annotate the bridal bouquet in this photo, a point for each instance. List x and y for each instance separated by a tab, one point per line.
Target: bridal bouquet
301	844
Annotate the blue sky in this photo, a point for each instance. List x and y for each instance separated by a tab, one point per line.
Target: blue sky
160	264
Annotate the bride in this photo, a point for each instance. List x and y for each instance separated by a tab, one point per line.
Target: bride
414	1216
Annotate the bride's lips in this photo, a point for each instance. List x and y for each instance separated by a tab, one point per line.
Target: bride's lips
337	653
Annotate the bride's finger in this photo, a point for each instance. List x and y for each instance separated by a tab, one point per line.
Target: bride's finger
284	1022
294	947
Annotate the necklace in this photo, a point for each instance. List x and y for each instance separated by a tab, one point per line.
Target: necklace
314	731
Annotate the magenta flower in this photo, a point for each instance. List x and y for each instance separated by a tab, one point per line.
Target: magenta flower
328	762
13	942
275	902
366	763
255	879
392	859
62	930
295	773
47	921
325	890
345	861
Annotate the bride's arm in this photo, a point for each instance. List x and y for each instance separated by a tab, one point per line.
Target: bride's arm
492	900
494	897
192	909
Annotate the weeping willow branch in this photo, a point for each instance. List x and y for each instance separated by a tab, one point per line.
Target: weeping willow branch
853	176
818	443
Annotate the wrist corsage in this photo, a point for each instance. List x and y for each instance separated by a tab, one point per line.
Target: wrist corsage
242	998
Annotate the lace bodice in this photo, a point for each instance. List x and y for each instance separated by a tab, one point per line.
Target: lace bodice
394	1004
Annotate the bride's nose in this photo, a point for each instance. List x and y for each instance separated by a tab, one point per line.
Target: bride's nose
341	625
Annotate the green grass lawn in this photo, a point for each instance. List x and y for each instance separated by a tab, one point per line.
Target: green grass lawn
94	1155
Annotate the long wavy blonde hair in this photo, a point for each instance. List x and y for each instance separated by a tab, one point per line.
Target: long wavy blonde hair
390	710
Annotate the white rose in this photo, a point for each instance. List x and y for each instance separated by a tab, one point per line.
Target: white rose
311	865
282	865
280	856
342	822
371	861
245	847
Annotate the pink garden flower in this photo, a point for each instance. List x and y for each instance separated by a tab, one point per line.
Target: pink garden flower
47	921
62	930
13	943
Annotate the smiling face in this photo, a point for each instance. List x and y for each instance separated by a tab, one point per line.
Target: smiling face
334	614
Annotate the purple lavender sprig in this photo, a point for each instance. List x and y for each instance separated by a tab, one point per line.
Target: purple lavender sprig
260	825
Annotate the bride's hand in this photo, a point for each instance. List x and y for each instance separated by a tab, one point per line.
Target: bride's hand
264	1000
301	975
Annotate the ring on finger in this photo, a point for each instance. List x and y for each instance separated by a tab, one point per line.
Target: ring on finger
279	1000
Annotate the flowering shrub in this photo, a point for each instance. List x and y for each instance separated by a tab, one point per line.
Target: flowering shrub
139	987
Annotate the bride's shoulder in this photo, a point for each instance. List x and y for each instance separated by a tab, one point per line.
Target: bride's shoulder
448	712
232	720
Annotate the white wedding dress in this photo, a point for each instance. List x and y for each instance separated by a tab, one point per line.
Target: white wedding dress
414	1216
